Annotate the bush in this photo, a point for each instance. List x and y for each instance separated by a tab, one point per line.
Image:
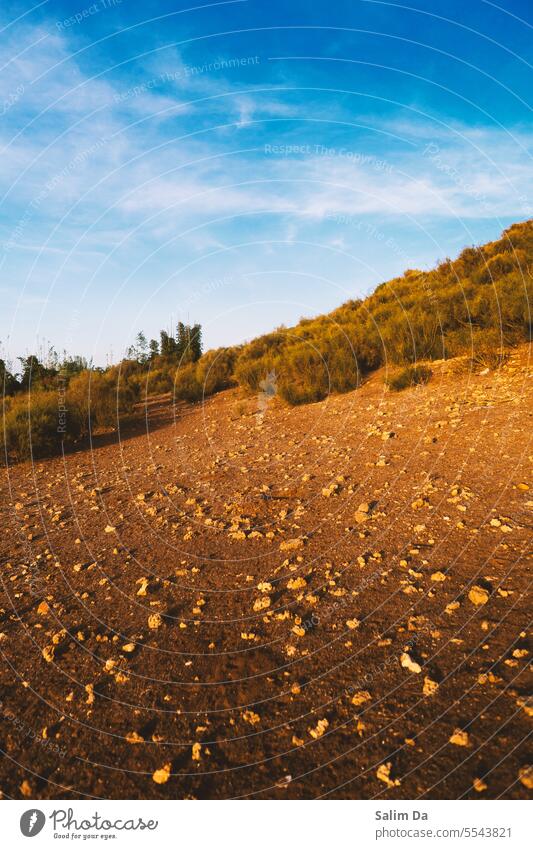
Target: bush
214	371
186	384
151	382
409	376
488	356
250	372
33	426
303	376
101	398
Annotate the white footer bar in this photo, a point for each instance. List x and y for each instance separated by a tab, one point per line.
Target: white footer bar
269	824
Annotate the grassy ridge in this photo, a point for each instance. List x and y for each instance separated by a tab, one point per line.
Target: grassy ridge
478	305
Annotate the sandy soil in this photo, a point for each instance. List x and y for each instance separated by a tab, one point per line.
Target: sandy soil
236	599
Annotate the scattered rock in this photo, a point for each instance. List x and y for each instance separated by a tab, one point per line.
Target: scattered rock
430	687
320	729
162	775
460	738
525	775
361	698
251	717
291	544
478	595
408	663
383	773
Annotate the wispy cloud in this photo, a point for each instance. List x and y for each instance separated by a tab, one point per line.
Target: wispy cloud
211	146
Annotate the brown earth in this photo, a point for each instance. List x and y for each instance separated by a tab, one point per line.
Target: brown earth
323	601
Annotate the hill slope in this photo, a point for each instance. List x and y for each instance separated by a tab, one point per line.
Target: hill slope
478	305
475	305
247	600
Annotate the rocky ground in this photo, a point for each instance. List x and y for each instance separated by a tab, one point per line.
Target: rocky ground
241	600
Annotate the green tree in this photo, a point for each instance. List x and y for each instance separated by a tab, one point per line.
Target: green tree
141	347
168	345
34	373
8	382
188	342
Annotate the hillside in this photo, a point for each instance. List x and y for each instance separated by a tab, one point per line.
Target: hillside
478	305
241	599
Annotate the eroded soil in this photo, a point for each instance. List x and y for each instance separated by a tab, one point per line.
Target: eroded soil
242	600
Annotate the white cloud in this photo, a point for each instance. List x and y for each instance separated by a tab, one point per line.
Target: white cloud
86	143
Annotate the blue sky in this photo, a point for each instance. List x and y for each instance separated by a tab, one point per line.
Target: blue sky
244	164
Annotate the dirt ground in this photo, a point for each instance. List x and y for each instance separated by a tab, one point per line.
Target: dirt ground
237	599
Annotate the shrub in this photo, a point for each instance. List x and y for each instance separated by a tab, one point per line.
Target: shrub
486	356
303	376
32	426
214	371
186	384
156	382
101	398
250	372
409	376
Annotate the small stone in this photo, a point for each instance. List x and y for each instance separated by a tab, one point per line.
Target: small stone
460	738
320	729
361	698
430	687
525	775
162	775
383	773
251	717
25	789
48	653
408	663
291	544
478	595
296	584
133	737
527	704
144	585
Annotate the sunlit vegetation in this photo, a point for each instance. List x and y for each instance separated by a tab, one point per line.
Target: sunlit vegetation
477	307
409	376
